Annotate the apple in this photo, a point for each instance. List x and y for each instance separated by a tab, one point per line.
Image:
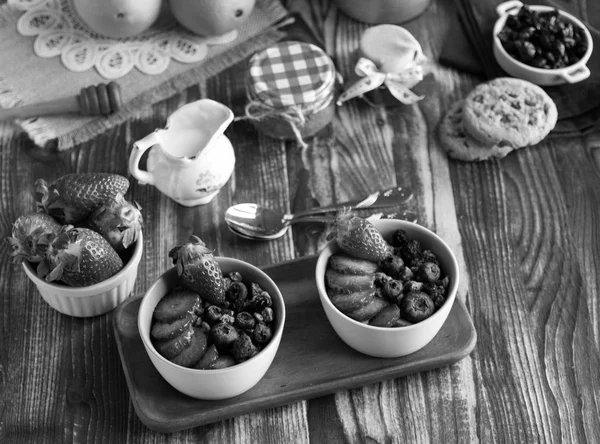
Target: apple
210	18
118	18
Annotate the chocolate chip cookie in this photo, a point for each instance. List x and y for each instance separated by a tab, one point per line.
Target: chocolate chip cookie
459	144
509	111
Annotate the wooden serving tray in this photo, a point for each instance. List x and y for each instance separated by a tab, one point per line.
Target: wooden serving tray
311	361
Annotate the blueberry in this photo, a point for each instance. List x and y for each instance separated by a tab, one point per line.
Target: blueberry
429	272
392	290
392	266
245	320
213	314
237	291
223	335
416	306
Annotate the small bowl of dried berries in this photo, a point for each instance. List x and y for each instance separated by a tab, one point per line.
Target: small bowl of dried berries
211	325
541	44
387	287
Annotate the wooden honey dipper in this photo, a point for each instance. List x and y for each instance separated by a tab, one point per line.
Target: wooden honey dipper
95	100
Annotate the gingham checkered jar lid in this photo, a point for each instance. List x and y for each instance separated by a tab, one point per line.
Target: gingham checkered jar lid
291	74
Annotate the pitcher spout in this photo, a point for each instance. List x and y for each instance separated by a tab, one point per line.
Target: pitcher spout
205	119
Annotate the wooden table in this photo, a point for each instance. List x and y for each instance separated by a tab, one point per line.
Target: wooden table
525	230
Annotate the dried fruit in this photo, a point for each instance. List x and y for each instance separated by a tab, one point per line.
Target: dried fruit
542	39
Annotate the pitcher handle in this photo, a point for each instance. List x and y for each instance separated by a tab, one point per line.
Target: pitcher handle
139	148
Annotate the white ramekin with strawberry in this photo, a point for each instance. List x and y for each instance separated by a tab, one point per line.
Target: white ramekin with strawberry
83	245
387	287
211	325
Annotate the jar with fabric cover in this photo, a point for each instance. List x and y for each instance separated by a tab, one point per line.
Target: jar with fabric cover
389	62
291	90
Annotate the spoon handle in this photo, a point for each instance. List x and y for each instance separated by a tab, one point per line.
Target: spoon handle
384	198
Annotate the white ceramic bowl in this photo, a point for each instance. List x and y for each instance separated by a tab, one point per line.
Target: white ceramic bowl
540	76
219	383
400	341
92	300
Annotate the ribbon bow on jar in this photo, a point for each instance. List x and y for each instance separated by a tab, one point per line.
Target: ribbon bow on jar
398	83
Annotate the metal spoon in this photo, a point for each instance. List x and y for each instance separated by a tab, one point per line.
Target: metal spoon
253	235
263	223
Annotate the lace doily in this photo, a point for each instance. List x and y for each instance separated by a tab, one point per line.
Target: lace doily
59	32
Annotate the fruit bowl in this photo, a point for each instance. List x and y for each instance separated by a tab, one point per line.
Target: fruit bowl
220	383
572	73
92	300
391	342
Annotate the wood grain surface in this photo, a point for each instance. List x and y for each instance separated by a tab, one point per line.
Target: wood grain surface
525	229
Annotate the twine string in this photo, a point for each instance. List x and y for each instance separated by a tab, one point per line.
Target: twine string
293	115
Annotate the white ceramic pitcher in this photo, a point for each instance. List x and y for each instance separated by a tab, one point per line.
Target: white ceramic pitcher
190	159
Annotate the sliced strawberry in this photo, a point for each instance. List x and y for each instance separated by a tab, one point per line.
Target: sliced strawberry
387	317
366	312
208	358
223	361
176	305
347	303
348	283
346	264
193	352
172	347
169	330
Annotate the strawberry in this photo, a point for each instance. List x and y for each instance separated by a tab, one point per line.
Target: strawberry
118	221
79	257
198	270
73	197
359	238
30	237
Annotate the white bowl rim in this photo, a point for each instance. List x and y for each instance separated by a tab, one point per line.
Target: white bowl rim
557	71
453	289
94	289
197	371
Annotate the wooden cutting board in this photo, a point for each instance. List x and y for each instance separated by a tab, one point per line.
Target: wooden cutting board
311	361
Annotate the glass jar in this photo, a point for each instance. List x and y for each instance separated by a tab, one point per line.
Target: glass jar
291	88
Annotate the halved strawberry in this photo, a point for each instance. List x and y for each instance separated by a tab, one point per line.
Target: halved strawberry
79	257
118	221
72	198
198	270
359	238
